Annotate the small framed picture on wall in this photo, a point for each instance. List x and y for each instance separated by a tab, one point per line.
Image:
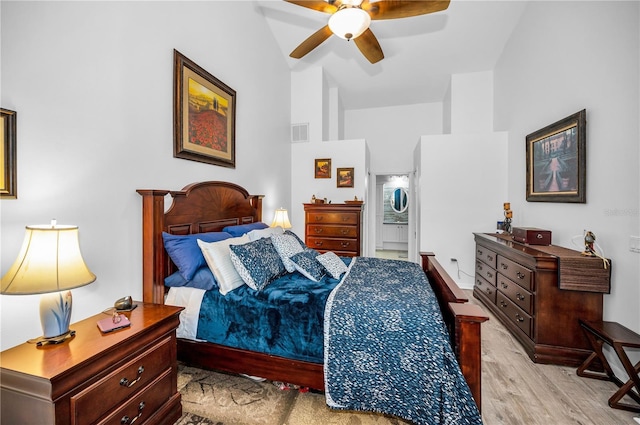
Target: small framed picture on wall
345	177
322	168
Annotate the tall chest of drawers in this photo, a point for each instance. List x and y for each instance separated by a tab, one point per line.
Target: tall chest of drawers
522	285
122	377
334	227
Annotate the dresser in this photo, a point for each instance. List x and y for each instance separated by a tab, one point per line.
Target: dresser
539	293
334	227
121	377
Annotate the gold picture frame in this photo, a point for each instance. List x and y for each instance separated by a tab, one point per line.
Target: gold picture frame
556	161
322	168
204	115
344	177
8	183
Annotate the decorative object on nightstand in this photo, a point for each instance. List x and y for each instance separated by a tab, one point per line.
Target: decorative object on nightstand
281	219
508	215
49	263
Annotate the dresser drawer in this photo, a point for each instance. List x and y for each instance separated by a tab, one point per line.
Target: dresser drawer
316	217
514	313
486	272
486	288
335	244
514	271
329	230
486	255
143	404
516	293
90	404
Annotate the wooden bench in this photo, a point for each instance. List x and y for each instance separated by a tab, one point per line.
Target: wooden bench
618	337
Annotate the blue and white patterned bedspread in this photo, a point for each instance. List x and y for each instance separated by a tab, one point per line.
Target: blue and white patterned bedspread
387	349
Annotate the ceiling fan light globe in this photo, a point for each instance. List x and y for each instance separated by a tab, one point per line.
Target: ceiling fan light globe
349	23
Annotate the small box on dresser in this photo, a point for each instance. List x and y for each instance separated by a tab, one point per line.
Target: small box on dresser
532	235
112	378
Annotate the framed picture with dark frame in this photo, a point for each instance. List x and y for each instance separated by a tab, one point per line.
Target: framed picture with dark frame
204	115
556	161
344	177
322	168
8	183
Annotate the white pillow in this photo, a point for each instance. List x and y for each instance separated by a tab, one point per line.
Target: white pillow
218	258
332	263
287	246
254	235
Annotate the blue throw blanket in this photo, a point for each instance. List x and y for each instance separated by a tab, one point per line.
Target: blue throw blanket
387	349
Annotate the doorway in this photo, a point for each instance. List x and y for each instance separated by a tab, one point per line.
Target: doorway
393	225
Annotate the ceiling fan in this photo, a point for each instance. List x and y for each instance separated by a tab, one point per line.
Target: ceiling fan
350	20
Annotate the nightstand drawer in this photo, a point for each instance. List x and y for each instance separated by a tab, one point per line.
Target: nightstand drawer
143	404
326	230
486	255
90	404
316	217
348	245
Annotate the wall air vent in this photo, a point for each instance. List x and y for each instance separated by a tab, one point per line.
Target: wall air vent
300	132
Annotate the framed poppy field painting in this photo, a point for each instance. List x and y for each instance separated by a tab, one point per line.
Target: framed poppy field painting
204	115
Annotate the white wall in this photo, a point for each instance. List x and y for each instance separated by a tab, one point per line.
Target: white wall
343	154
462	187
554	65
392	133
92	86
308	102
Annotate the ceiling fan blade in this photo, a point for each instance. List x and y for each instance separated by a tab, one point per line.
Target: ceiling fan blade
319	5
312	42
369	46
392	9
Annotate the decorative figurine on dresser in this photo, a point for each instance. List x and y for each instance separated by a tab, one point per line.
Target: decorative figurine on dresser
334	227
539	292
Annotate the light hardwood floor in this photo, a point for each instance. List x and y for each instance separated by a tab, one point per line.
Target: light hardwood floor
517	391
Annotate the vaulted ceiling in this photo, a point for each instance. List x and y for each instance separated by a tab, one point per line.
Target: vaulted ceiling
420	53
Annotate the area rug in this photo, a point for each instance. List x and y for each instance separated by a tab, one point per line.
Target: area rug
212	398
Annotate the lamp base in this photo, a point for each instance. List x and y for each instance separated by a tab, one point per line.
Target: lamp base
43	340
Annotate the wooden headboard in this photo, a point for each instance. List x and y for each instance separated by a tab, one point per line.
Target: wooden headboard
197	208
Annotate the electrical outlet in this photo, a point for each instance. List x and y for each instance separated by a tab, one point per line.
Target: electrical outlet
454	260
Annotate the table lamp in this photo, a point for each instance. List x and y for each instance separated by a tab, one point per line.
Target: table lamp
49	263
281	218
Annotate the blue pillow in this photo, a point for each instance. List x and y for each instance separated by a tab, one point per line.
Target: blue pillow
307	264
202	279
258	263
185	252
241	229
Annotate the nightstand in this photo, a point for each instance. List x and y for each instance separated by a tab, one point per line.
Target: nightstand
114	378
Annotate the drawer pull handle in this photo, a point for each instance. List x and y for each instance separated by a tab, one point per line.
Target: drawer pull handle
489	274
128	421
519	297
479	252
319	218
344	231
319	243
125	382
503	304
519	318
490	257
319	229
504	285
480	267
504	266
345	218
520	275
479	282
345	244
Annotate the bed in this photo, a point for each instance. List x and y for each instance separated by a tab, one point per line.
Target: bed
211	206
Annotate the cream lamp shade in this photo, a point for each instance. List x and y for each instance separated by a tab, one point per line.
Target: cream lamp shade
281	219
349	22
49	263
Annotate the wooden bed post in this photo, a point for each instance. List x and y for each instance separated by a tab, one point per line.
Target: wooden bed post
463	321
153	264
